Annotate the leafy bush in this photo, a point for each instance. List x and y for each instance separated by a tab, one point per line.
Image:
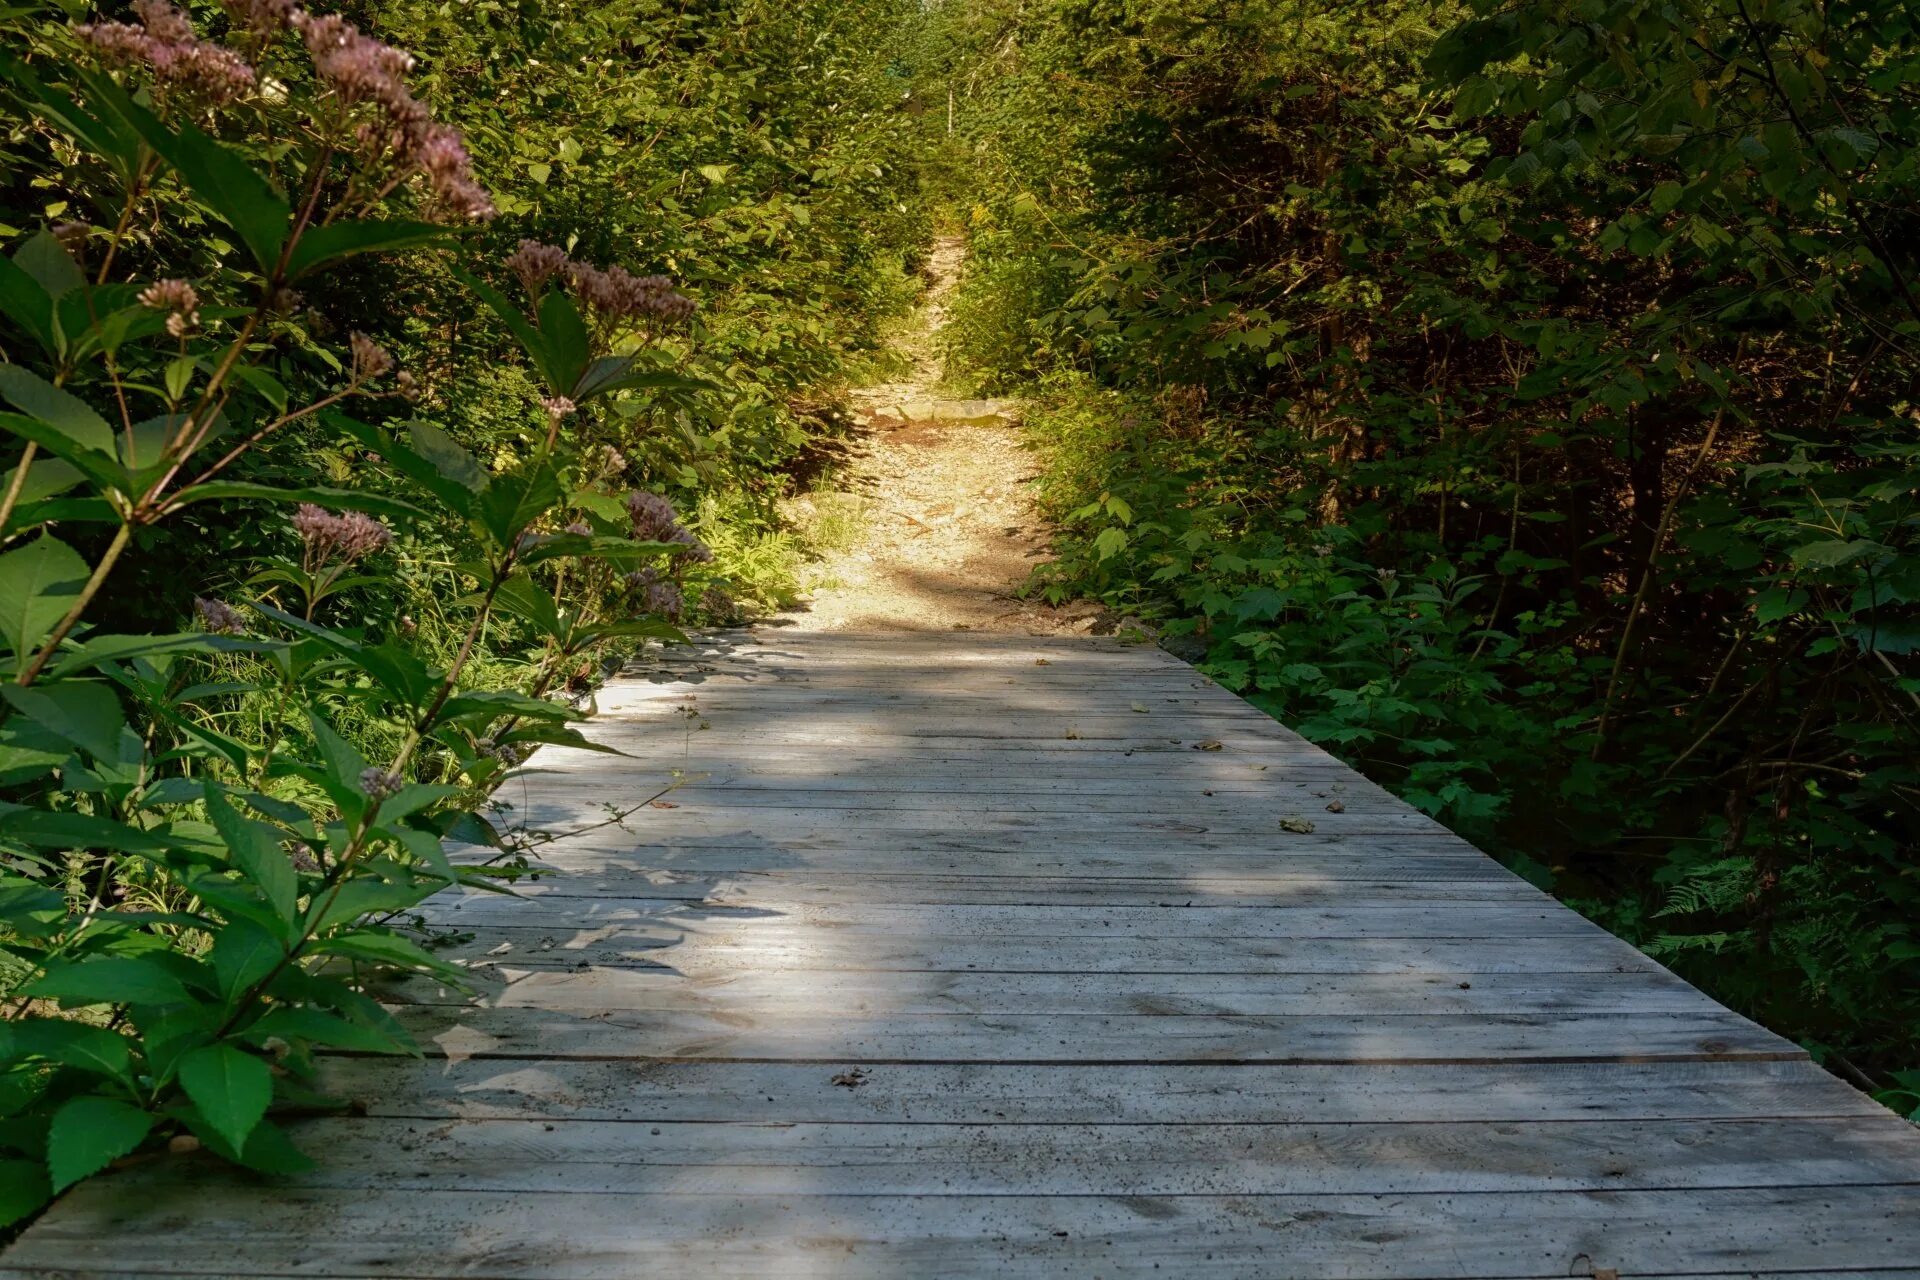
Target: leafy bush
1519	399
210	825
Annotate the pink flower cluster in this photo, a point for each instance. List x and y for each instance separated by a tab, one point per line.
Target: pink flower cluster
618	294
176	297
219	617
370	359
535	264
344	536
658	594
358	68
613	292
262	18
654	520
362	70
163	40
652	516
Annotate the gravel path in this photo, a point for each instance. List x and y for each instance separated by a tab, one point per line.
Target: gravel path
947	532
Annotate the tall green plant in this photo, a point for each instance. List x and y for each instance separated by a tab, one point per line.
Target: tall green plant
184	912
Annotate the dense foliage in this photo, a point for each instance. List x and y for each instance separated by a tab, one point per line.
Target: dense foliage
1518	398
334	462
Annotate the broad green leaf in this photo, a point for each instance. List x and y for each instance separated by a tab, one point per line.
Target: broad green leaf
342	767
319	495
456	495
268	1149
526	599
50	829
567	341
231	1089
96	650
75	1044
73	417
619	373
448	458
38	584
224	181
324	246
85	713
300	1022
43	257
24	302
88	1134
109	980
1834	552
256	851
389	949
512	503
103	467
243	955
45	477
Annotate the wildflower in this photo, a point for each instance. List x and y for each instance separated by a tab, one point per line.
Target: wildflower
344	536
285	301
407	385
652	516
558	406
301	855
163	40
365	71
262	18
580	529
614	460
219	617
178	299
658	594
357	67
370	359
617	294
535	264
692	550
378	783
441	154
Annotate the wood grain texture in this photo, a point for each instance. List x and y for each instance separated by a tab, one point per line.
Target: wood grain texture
971	955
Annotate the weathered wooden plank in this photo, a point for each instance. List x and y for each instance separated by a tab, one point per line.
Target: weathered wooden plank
799	886
1003	1159
861	993
590	1236
882	1036
1326	865
779	1092
540	906
690	944
1150	791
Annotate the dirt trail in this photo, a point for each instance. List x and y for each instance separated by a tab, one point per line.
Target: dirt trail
946	528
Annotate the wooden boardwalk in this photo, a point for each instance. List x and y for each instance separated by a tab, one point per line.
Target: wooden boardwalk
958	955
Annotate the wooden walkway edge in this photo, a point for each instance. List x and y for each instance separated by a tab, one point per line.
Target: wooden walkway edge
967	955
